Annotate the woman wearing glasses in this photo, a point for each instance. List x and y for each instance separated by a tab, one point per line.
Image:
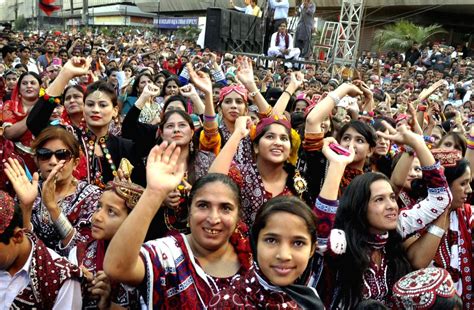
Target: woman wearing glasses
62	206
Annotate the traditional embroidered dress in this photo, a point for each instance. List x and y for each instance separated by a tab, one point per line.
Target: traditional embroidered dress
455	253
377	280
253	192
78	208
252	292
47	275
91	256
174	279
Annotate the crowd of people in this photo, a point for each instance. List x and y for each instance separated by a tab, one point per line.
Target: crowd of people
142	171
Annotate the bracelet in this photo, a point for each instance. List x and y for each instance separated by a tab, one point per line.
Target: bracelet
285	91
208	118
470	138
51	99
421	108
334	97
436	231
63	226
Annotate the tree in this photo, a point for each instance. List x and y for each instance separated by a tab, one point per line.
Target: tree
21	23
401	35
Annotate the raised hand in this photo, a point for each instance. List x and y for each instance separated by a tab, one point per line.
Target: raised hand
401	135
242	125
76	66
49	186
245	71
188	91
332	156
25	190
163	173
296	78
99	286
200	79
348	90
149	91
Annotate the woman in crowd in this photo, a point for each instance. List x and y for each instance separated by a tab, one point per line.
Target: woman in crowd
373	259
103	151
117	201
127	101
62	205
73	100
447	242
180	270
15	112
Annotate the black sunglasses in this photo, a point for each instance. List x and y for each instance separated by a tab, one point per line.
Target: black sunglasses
45	154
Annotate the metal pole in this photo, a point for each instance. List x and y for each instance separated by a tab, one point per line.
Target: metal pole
159	7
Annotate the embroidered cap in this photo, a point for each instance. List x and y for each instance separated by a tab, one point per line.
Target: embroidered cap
7	209
419	289
447	158
129	192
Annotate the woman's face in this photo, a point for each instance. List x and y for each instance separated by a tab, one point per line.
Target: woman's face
144	81
178	130
283	253
300	106
110	214
382	210
74	101
449	108
171	88
11	81
233	106
175	105
382	145
128	72
415	172
213	216
46	165
29	87
160	82
99	110
274	146
326	125
361	146
448	143
460	189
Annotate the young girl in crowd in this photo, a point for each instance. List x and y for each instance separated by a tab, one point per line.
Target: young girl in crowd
62	205
118	200
103	151
180	270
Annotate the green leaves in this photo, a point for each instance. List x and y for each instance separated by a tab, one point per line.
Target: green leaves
401	35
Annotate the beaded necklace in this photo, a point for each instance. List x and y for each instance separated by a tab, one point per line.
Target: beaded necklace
94	167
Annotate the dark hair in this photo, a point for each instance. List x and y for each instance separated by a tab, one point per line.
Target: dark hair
264	131
16	221
7	49
57	132
24	74
79	88
213	178
453	173
104	87
179	98
167	81
362	128
370	304
18	66
459	142
444	303
288	204
183	114
137	82
351	217
127	66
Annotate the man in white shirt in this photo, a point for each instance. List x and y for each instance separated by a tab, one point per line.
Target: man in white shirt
31	275
280	15
25	59
281	44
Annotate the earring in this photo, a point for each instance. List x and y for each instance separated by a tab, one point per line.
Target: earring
191	147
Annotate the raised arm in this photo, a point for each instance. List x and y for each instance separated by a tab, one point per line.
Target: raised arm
324	108
223	161
122	261
295	82
189	91
245	75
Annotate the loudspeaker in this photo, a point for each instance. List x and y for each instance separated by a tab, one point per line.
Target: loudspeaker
233	31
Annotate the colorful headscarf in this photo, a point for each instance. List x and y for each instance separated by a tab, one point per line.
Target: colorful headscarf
256	131
239	89
447	158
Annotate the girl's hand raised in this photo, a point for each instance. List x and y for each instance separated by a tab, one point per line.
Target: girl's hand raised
334	157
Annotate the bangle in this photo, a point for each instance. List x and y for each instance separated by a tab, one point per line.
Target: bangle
51	99
63	226
421	108
436	231
334	97
285	91
208	118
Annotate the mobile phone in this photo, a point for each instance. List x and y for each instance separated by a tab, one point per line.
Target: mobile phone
57	62
339	149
